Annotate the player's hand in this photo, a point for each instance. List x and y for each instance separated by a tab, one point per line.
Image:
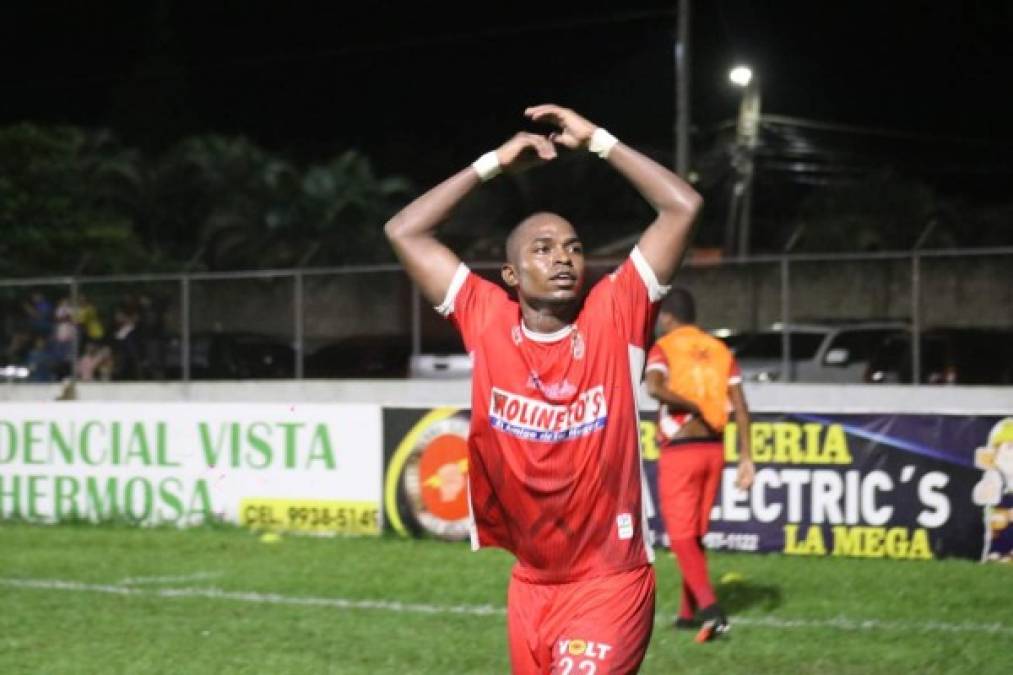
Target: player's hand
574	131
525	150
745	474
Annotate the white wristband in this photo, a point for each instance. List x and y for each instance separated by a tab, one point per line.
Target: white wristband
487	166
602	142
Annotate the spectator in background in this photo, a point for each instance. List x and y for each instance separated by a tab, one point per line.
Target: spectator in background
64	336
40	361
151	328
126	349
697	382
18	347
96	363
89	325
40	314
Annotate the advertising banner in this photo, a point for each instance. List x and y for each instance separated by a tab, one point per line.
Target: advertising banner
312	468
875	486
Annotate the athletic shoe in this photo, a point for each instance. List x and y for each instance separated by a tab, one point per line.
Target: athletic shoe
714	623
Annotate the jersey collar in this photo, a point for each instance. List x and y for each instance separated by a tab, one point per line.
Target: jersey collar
546	337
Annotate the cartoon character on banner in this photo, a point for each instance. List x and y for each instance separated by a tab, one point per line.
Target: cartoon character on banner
994	492
426	484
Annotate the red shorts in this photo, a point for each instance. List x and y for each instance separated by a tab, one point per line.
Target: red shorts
688	479
594	626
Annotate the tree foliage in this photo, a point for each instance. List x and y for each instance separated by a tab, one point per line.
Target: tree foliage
77	200
882	212
60	202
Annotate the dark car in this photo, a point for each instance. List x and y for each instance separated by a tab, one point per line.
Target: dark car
733	338
948	356
388	356
232	356
361	356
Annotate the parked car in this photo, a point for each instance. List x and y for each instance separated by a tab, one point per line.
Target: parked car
232	356
820	352
443	360
388	356
440	366
948	356
732	337
361	356
14	372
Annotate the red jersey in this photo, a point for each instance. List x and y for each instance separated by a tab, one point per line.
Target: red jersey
554	467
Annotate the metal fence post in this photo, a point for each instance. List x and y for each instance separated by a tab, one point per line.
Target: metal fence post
184	329
416	321
916	319
298	319
75	352
786	374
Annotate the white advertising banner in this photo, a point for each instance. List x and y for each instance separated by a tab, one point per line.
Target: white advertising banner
306	467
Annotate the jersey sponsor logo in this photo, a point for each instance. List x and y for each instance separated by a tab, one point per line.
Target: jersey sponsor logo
564	389
578	345
574	655
624	521
534	420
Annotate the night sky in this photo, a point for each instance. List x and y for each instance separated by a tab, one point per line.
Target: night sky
424	89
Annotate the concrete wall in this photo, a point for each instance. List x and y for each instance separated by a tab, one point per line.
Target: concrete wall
958	292
955	292
974	291
431	393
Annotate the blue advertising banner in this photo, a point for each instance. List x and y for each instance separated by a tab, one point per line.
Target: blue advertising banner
875	486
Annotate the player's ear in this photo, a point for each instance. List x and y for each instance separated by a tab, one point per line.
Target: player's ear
509	274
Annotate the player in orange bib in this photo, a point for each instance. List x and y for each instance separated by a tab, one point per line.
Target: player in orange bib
553	470
697	381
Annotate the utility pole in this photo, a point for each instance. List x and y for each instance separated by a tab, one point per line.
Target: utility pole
748	133
737	227
682	91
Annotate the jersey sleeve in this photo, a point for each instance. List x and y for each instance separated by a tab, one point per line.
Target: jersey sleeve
470	303
631	295
656	360
734	373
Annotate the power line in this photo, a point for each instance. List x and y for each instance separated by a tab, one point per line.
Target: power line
785	120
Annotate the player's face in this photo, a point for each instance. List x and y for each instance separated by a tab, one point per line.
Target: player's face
549	264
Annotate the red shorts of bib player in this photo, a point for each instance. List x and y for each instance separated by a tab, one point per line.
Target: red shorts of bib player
697	381
553	467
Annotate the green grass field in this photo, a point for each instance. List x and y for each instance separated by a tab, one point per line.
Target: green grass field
109	599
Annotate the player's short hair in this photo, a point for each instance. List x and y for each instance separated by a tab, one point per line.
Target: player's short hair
513	240
680	304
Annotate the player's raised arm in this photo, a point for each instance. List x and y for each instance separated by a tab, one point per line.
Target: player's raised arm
677	203
412	231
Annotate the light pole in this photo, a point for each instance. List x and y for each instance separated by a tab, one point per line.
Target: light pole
682	91
737	230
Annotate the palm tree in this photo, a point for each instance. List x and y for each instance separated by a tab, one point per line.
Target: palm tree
58	201
342	208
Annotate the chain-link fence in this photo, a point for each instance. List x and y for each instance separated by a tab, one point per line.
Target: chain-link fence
928	316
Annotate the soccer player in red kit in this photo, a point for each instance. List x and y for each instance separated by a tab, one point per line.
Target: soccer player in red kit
554	470
698	383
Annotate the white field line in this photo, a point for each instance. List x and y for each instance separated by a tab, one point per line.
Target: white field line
846	623
254	597
196	576
838	623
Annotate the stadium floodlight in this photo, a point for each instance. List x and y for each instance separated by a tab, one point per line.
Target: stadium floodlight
740	76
